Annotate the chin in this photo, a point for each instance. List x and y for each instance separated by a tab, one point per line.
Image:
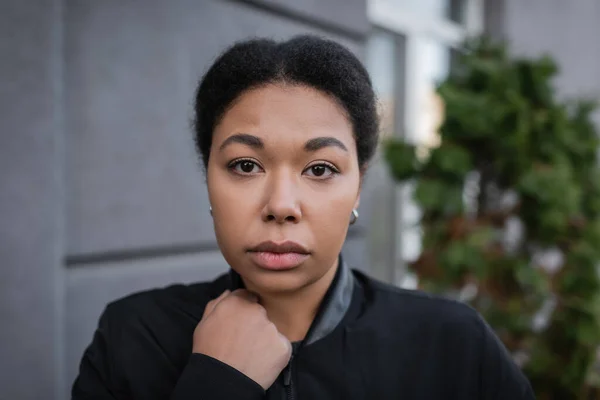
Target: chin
264	281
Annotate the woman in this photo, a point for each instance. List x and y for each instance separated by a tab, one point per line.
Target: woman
286	131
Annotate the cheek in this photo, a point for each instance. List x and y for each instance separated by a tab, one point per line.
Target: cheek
231	211
227	234
230	233
329	212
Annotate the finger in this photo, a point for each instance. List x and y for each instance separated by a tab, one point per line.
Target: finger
245	295
213	303
210	306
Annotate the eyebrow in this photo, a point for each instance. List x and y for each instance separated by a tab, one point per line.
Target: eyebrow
255	142
321	142
245	139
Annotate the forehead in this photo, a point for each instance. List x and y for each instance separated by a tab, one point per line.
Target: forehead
286	112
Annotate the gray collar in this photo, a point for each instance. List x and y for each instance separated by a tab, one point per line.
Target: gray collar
334	306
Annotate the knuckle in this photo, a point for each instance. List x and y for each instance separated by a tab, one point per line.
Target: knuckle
226	304
272	327
257	308
260	309
234	300
211	303
286	346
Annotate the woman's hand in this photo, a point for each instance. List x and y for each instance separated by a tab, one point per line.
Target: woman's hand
236	331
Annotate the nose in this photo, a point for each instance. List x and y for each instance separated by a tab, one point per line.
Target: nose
282	203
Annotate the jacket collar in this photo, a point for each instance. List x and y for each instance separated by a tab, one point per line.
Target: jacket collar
334	306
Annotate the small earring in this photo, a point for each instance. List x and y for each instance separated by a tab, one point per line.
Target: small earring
210	210
354	217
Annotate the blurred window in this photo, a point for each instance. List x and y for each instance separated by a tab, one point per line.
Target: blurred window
408	54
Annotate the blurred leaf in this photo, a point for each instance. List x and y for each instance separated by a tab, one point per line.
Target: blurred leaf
449	161
402	160
438	196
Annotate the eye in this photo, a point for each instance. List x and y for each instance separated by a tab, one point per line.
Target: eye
321	170
245	167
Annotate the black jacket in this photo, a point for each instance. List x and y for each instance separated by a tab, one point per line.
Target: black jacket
369	341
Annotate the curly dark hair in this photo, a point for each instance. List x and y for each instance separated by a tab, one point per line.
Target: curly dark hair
305	60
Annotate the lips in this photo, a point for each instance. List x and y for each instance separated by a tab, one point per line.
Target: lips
278	256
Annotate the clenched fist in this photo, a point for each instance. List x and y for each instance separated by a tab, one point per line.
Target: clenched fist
236	331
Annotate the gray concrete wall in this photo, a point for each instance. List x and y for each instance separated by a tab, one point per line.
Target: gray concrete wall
31	199
101	193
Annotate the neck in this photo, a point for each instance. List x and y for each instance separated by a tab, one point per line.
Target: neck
293	313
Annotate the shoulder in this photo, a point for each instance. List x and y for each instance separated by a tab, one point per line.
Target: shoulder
413	309
452	333
164	302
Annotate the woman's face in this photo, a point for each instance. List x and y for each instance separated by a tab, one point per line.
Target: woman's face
283	178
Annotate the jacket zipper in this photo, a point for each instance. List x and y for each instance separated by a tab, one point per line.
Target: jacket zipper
288	383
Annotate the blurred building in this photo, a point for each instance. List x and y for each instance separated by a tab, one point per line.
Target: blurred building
101	193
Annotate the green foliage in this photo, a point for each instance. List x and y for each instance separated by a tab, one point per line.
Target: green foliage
402	159
505	124
439	197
